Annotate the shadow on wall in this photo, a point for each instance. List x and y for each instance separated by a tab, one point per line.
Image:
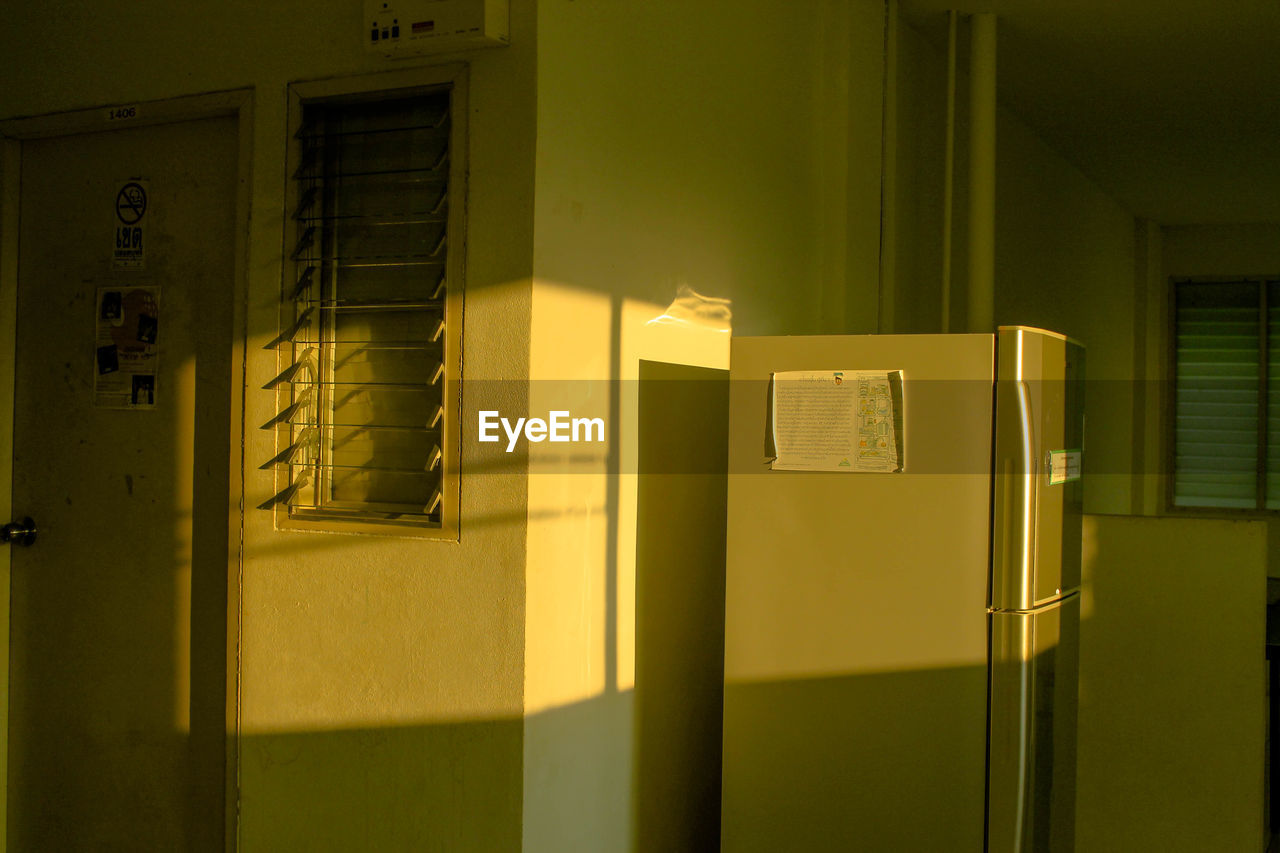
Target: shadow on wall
466	795
445	787
456	786
647	758
639	770
680	582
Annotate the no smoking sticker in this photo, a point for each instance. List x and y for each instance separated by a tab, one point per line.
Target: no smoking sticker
132	198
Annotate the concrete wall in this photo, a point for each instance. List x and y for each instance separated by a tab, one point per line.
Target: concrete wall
1172	685
918	201
382	679
1191	250
1065	251
679	145
1065	261
745	166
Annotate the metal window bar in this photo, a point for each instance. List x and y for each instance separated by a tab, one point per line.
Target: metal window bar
364	315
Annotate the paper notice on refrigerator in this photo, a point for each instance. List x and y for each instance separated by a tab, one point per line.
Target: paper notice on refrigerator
837	420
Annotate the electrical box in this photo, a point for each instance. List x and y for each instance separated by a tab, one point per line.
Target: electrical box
401	28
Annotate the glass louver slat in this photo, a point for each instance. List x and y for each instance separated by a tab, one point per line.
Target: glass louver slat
362	381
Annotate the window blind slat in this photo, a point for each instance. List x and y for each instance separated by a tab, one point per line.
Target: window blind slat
1216	368
1272	464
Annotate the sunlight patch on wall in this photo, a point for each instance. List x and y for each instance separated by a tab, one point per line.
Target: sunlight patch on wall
586	352
567	626
693	330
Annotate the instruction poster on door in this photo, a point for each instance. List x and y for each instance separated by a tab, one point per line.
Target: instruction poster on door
126	355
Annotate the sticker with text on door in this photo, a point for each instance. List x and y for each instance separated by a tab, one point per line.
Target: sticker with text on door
1064	466
131	199
125	349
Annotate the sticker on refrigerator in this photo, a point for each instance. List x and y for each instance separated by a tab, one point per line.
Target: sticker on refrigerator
837	420
1064	466
125	353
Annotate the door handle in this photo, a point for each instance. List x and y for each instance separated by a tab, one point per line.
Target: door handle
1012	583
1029	484
19	532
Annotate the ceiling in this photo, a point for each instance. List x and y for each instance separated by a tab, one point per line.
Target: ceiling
1171	106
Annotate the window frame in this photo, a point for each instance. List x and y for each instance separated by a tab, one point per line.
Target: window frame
1169	433
379	86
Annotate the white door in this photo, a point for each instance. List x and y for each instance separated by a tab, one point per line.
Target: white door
118	634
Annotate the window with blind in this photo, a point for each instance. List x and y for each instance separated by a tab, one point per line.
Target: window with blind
1226	406
367	395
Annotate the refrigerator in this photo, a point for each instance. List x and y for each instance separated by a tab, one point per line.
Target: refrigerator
901	637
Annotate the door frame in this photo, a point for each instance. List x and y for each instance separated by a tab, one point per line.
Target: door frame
237	103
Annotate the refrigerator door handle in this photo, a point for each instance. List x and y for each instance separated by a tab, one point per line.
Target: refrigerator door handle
1027	509
1013	576
1009	734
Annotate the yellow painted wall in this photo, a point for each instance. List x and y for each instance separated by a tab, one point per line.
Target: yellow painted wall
728	147
1191	250
918	203
1064	249
1065	261
1172	685
382	679
709	145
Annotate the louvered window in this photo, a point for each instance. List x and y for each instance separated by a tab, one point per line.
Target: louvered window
369	349
1226	443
